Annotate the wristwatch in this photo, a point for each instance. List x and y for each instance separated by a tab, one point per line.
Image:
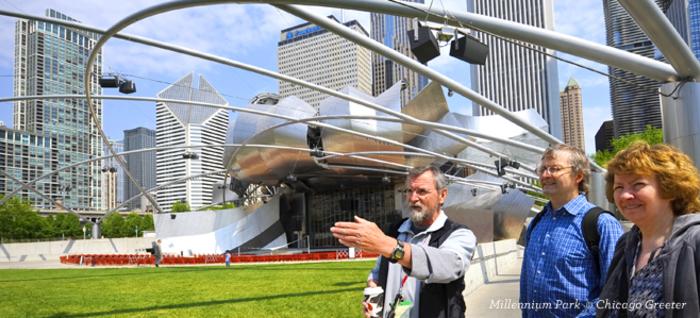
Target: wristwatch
397	253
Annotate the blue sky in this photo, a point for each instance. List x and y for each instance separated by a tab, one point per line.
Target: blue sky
249	33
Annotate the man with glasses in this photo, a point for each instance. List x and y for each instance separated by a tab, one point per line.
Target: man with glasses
562	274
423	258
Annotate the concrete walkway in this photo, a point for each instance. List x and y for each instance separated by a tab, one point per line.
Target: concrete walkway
499	296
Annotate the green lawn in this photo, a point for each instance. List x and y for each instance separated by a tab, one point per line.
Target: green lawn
278	290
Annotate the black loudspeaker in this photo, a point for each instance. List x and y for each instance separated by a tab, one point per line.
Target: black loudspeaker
470	50
127	87
426	47
109	81
173	216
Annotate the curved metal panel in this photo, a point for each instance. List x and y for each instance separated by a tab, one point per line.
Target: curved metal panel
435	142
491	214
429	105
269	166
340	142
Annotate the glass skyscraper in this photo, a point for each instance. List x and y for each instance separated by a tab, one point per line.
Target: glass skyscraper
25	156
142	165
685	17
635	105
50	59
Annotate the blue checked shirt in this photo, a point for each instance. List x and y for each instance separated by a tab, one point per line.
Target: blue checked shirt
558	277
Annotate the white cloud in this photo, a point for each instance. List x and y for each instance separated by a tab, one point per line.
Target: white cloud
583	19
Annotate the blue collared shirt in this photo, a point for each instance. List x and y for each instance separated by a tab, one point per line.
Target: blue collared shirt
558	277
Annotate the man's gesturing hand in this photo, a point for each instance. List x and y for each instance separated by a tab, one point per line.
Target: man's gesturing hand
364	235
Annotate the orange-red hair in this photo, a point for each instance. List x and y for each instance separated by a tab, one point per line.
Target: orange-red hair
676	174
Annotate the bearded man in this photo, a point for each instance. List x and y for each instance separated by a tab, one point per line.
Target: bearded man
423	259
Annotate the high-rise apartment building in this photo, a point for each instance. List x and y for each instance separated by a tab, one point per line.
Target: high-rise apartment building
25	156
50	59
518	77
185	124
311	53
572	114
142	165
635	101
392	32
112	178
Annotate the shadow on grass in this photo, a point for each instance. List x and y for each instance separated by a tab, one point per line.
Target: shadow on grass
175	269
161	271
204	303
341	284
297	268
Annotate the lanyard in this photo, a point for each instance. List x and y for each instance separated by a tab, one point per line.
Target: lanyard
403	282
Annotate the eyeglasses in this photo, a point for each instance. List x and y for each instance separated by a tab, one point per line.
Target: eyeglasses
551	170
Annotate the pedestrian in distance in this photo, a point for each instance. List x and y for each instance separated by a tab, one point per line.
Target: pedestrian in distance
157	252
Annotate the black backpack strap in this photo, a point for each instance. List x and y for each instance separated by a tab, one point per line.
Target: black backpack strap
536	219
589	227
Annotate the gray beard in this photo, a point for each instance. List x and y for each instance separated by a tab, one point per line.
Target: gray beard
420	214
418	217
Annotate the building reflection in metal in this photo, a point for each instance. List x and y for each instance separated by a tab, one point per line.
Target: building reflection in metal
270	166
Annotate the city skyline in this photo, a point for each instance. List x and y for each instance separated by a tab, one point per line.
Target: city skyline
153	68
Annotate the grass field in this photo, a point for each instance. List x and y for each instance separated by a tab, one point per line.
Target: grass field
275	290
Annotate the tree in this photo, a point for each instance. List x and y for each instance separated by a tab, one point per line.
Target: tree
66	225
147	222
651	135
19	221
112	225
132	223
180	206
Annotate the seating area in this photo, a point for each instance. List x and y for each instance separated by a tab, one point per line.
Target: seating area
146	259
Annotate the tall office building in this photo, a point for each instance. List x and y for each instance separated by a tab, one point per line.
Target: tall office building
311	53
24	157
513	76
392	32
112	178
50	59
685	17
572	114
184	124
142	165
634	106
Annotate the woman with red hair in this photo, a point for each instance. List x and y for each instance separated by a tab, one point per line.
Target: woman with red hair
654	272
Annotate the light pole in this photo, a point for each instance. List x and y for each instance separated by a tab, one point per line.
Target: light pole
84	231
